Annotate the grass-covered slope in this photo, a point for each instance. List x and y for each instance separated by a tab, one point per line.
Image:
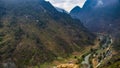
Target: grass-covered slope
33	32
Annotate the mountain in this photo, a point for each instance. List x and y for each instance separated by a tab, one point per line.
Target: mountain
102	16
61	10
33	32
75	11
98	15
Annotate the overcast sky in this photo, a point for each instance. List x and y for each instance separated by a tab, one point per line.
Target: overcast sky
67	4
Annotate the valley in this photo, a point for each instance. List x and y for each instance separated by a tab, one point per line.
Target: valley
37	34
33	33
95	57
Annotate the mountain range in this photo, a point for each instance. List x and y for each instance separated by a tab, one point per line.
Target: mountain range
99	15
33	32
102	16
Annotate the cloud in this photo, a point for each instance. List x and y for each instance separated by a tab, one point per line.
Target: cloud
67	4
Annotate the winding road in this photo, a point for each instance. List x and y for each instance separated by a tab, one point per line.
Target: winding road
104	49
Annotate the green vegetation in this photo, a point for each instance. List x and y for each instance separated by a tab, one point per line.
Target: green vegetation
114	62
35	33
117	44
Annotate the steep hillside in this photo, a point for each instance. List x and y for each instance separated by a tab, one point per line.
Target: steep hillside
34	32
99	15
103	16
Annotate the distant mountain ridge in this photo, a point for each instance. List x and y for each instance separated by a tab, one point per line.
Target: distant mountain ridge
102	16
76	9
98	17
61	10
